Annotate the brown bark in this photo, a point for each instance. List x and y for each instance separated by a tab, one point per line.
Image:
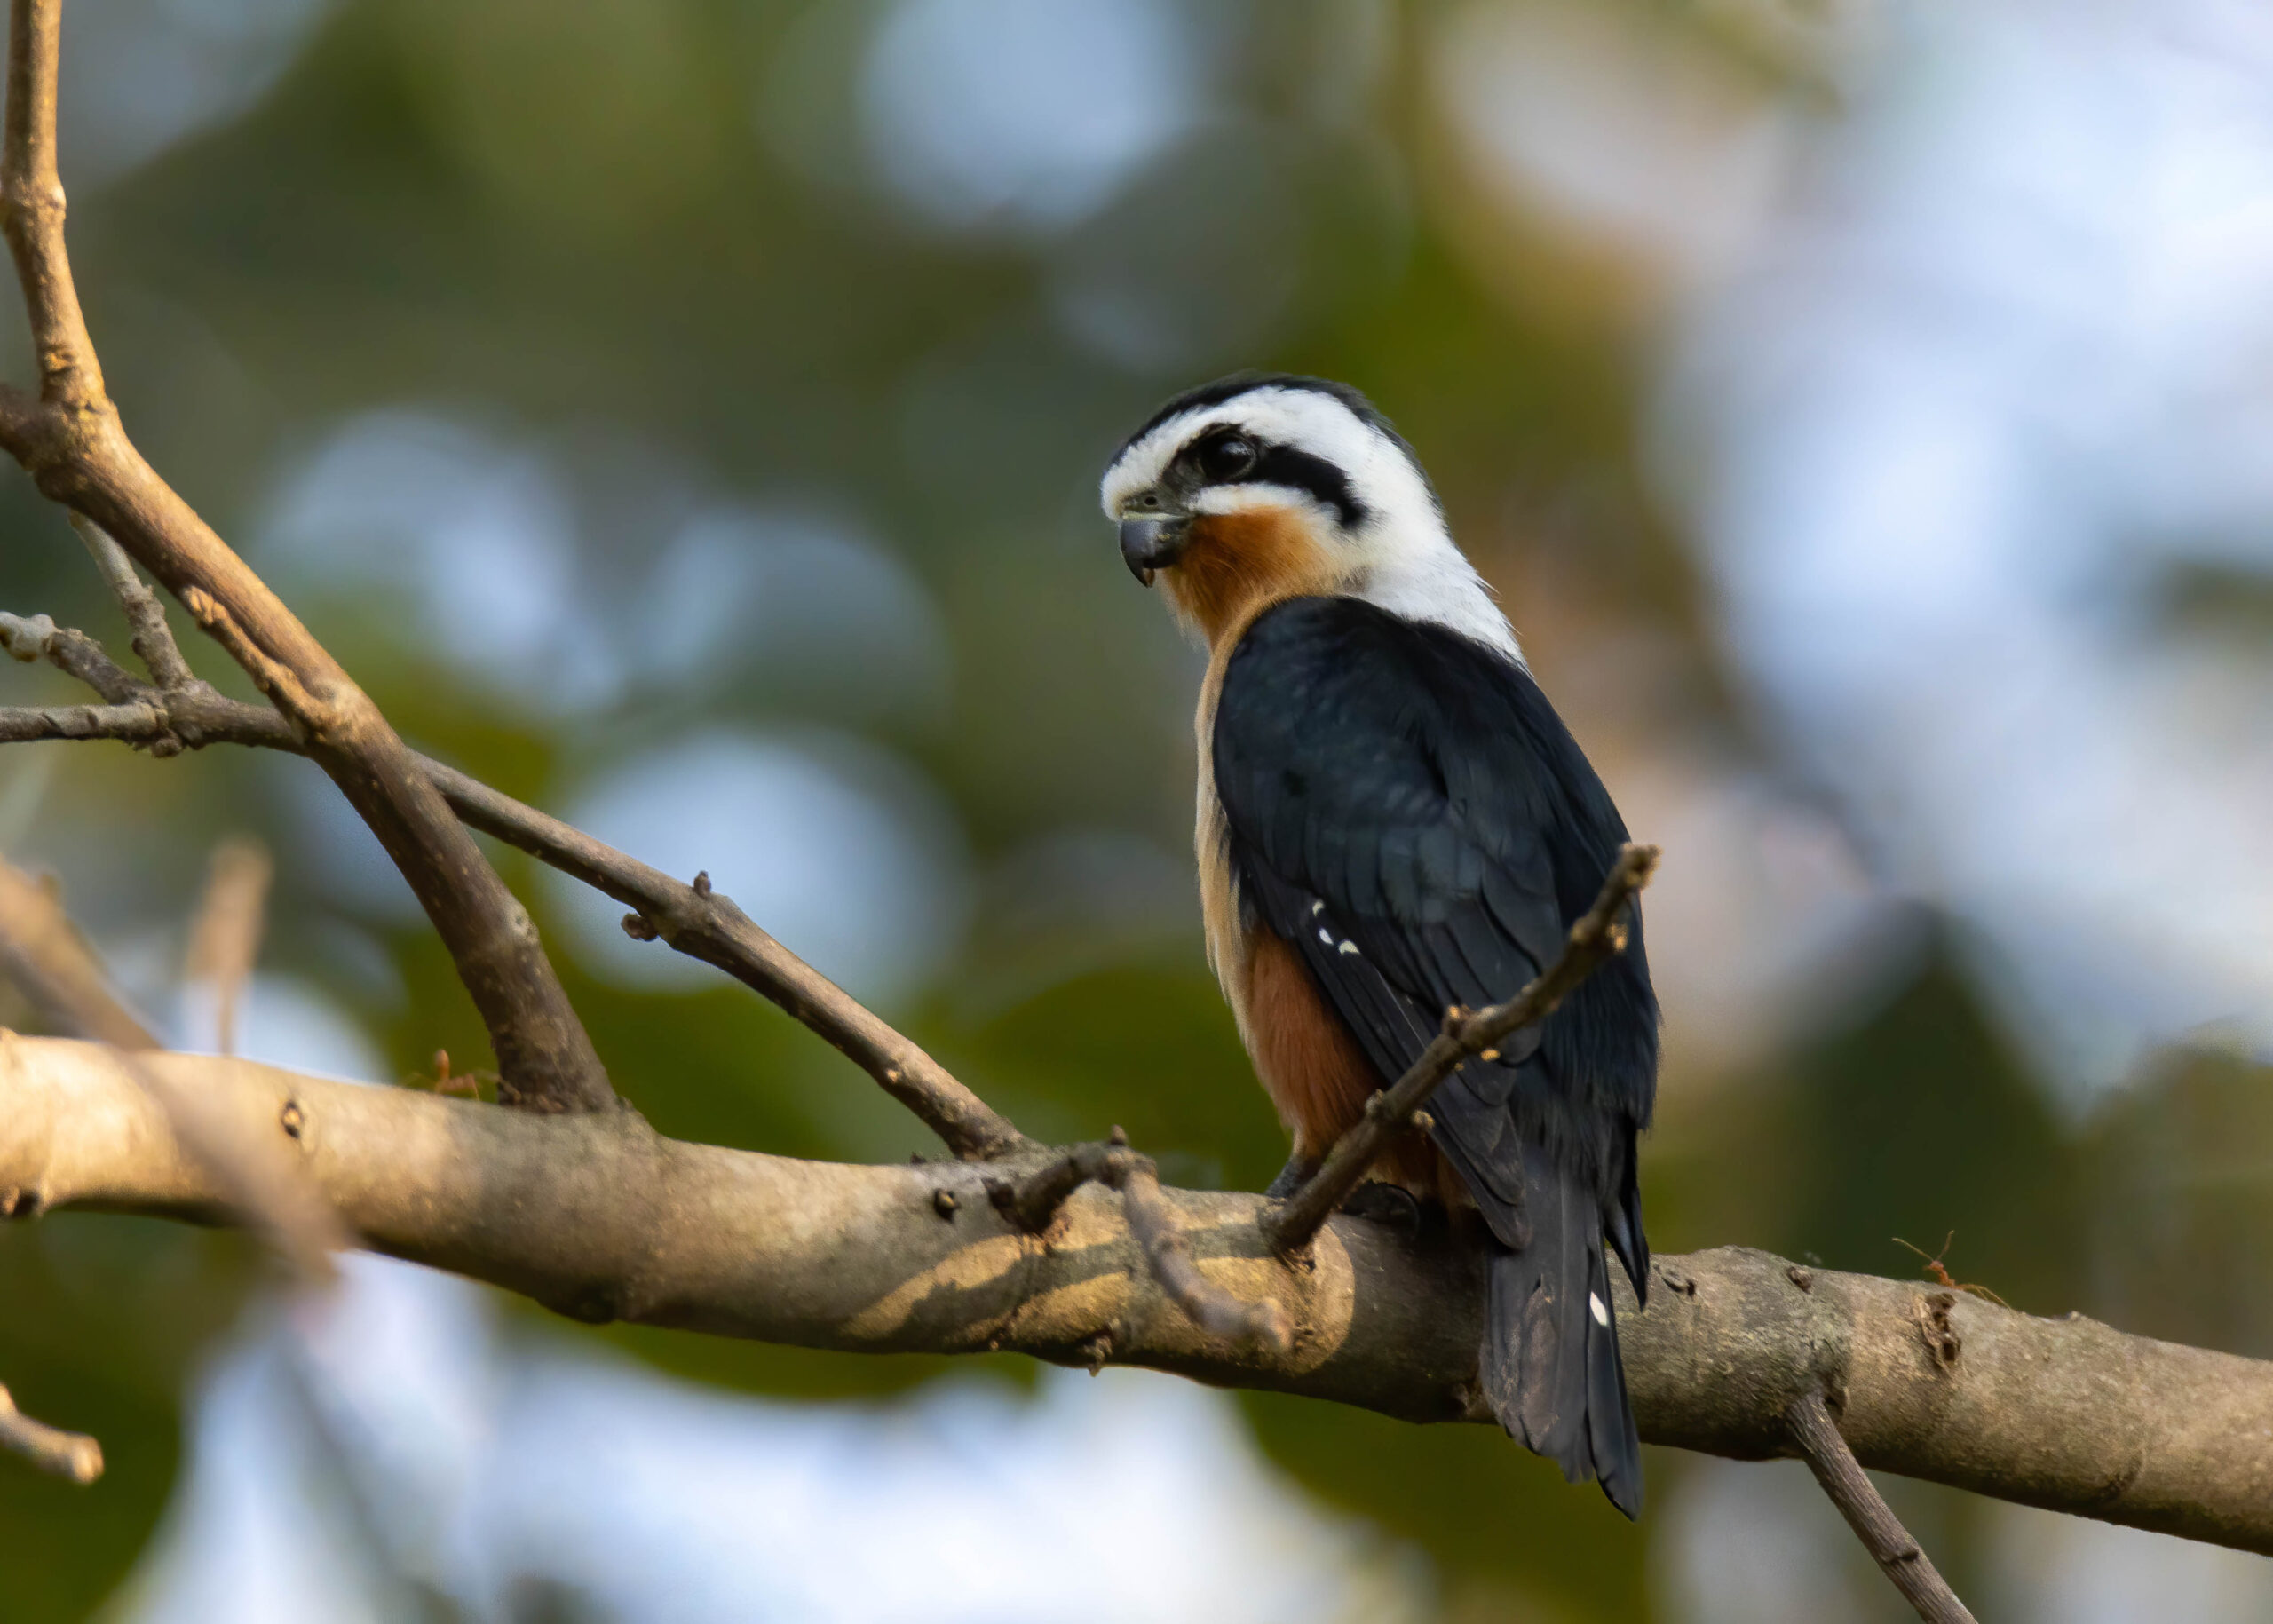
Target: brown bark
71	441
600	1217
694	919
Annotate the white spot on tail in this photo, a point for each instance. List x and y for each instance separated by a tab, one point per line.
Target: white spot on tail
1602	1314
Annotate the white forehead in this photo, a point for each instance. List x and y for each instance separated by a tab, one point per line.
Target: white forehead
1381	475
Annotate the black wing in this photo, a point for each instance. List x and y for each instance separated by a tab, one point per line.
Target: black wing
1405	806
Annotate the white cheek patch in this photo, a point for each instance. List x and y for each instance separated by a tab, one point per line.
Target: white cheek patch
1256	498
1602	1314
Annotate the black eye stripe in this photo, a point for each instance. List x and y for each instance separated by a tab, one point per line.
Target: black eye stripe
1281	465
1314	476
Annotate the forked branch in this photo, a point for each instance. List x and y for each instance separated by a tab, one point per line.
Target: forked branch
70	438
695	919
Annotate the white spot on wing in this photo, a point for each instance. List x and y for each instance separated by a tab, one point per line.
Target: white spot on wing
1602	1314
1327	937
1317	908
1349	947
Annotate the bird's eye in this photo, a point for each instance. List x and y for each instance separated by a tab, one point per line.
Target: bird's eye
1227	458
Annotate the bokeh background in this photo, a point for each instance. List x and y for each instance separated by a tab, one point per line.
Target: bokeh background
685	415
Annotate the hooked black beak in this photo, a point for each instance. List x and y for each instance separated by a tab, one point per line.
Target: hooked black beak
1147	544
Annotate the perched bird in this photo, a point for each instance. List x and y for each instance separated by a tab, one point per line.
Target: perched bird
1392	821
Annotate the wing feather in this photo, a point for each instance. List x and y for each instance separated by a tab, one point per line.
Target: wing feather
1405	807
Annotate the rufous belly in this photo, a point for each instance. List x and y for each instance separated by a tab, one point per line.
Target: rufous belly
1313	1069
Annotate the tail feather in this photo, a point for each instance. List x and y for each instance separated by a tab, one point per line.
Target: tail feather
1550	1364
1616	1441
1627	1238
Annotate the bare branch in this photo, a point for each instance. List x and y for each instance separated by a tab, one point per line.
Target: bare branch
600	1217
152	639
31	211
46	958
74	654
71	441
139	724
1035	1200
68	1455
1899	1557
224	941
705	923
1598	936
695	920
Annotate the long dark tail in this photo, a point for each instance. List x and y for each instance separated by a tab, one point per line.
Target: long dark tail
1550	1365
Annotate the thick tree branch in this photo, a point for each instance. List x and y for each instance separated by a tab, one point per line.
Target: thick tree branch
1900	1557
600	1217
72	443
1595	938
694	919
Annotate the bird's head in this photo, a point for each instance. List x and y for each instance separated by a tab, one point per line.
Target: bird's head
1260	488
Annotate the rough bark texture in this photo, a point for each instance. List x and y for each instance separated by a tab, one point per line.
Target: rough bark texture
600	1217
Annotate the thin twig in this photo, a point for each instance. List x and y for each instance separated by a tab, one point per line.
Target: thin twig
706	923
1599	935
74	654
153	640
49	962
224	941
1900	1557
694	919
68	1455
138	724
72	442
1033	1201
